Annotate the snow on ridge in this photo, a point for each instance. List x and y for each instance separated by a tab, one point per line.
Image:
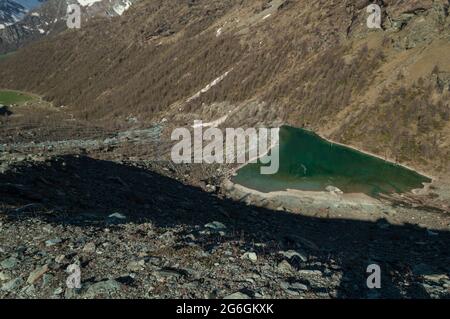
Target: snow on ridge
87	3
119	8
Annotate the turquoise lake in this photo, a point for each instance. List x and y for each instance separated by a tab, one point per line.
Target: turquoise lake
311	163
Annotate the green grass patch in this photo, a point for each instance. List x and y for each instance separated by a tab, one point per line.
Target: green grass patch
13	97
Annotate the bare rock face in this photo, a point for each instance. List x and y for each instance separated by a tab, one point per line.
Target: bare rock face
400	12
396	8
421	20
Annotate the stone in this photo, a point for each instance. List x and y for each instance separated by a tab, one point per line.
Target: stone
58	291
250	256
89	248
4	276
284	267
37	274
237	295
172	272
432	233
47	280
309	272
217	226
12	284
29	290
136	265
284	285
53	242
59	259
117	216
9	263
436	278
333	189
294	288
292	292
106	287
298	286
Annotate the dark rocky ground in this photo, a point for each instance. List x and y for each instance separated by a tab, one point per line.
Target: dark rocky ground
172	240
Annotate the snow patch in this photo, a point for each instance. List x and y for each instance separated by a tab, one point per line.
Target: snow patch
208	87
121	8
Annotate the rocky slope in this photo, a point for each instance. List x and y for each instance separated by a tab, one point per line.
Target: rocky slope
135	233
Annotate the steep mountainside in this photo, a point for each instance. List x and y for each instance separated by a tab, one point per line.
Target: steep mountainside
307	63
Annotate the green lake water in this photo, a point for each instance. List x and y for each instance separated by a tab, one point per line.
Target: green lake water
309	162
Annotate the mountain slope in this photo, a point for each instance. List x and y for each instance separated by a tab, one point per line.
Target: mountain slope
311	64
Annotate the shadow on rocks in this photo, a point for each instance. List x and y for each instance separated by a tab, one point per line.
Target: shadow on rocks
84	191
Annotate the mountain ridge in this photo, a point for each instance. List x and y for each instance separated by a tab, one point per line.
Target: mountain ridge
10	12
49	19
